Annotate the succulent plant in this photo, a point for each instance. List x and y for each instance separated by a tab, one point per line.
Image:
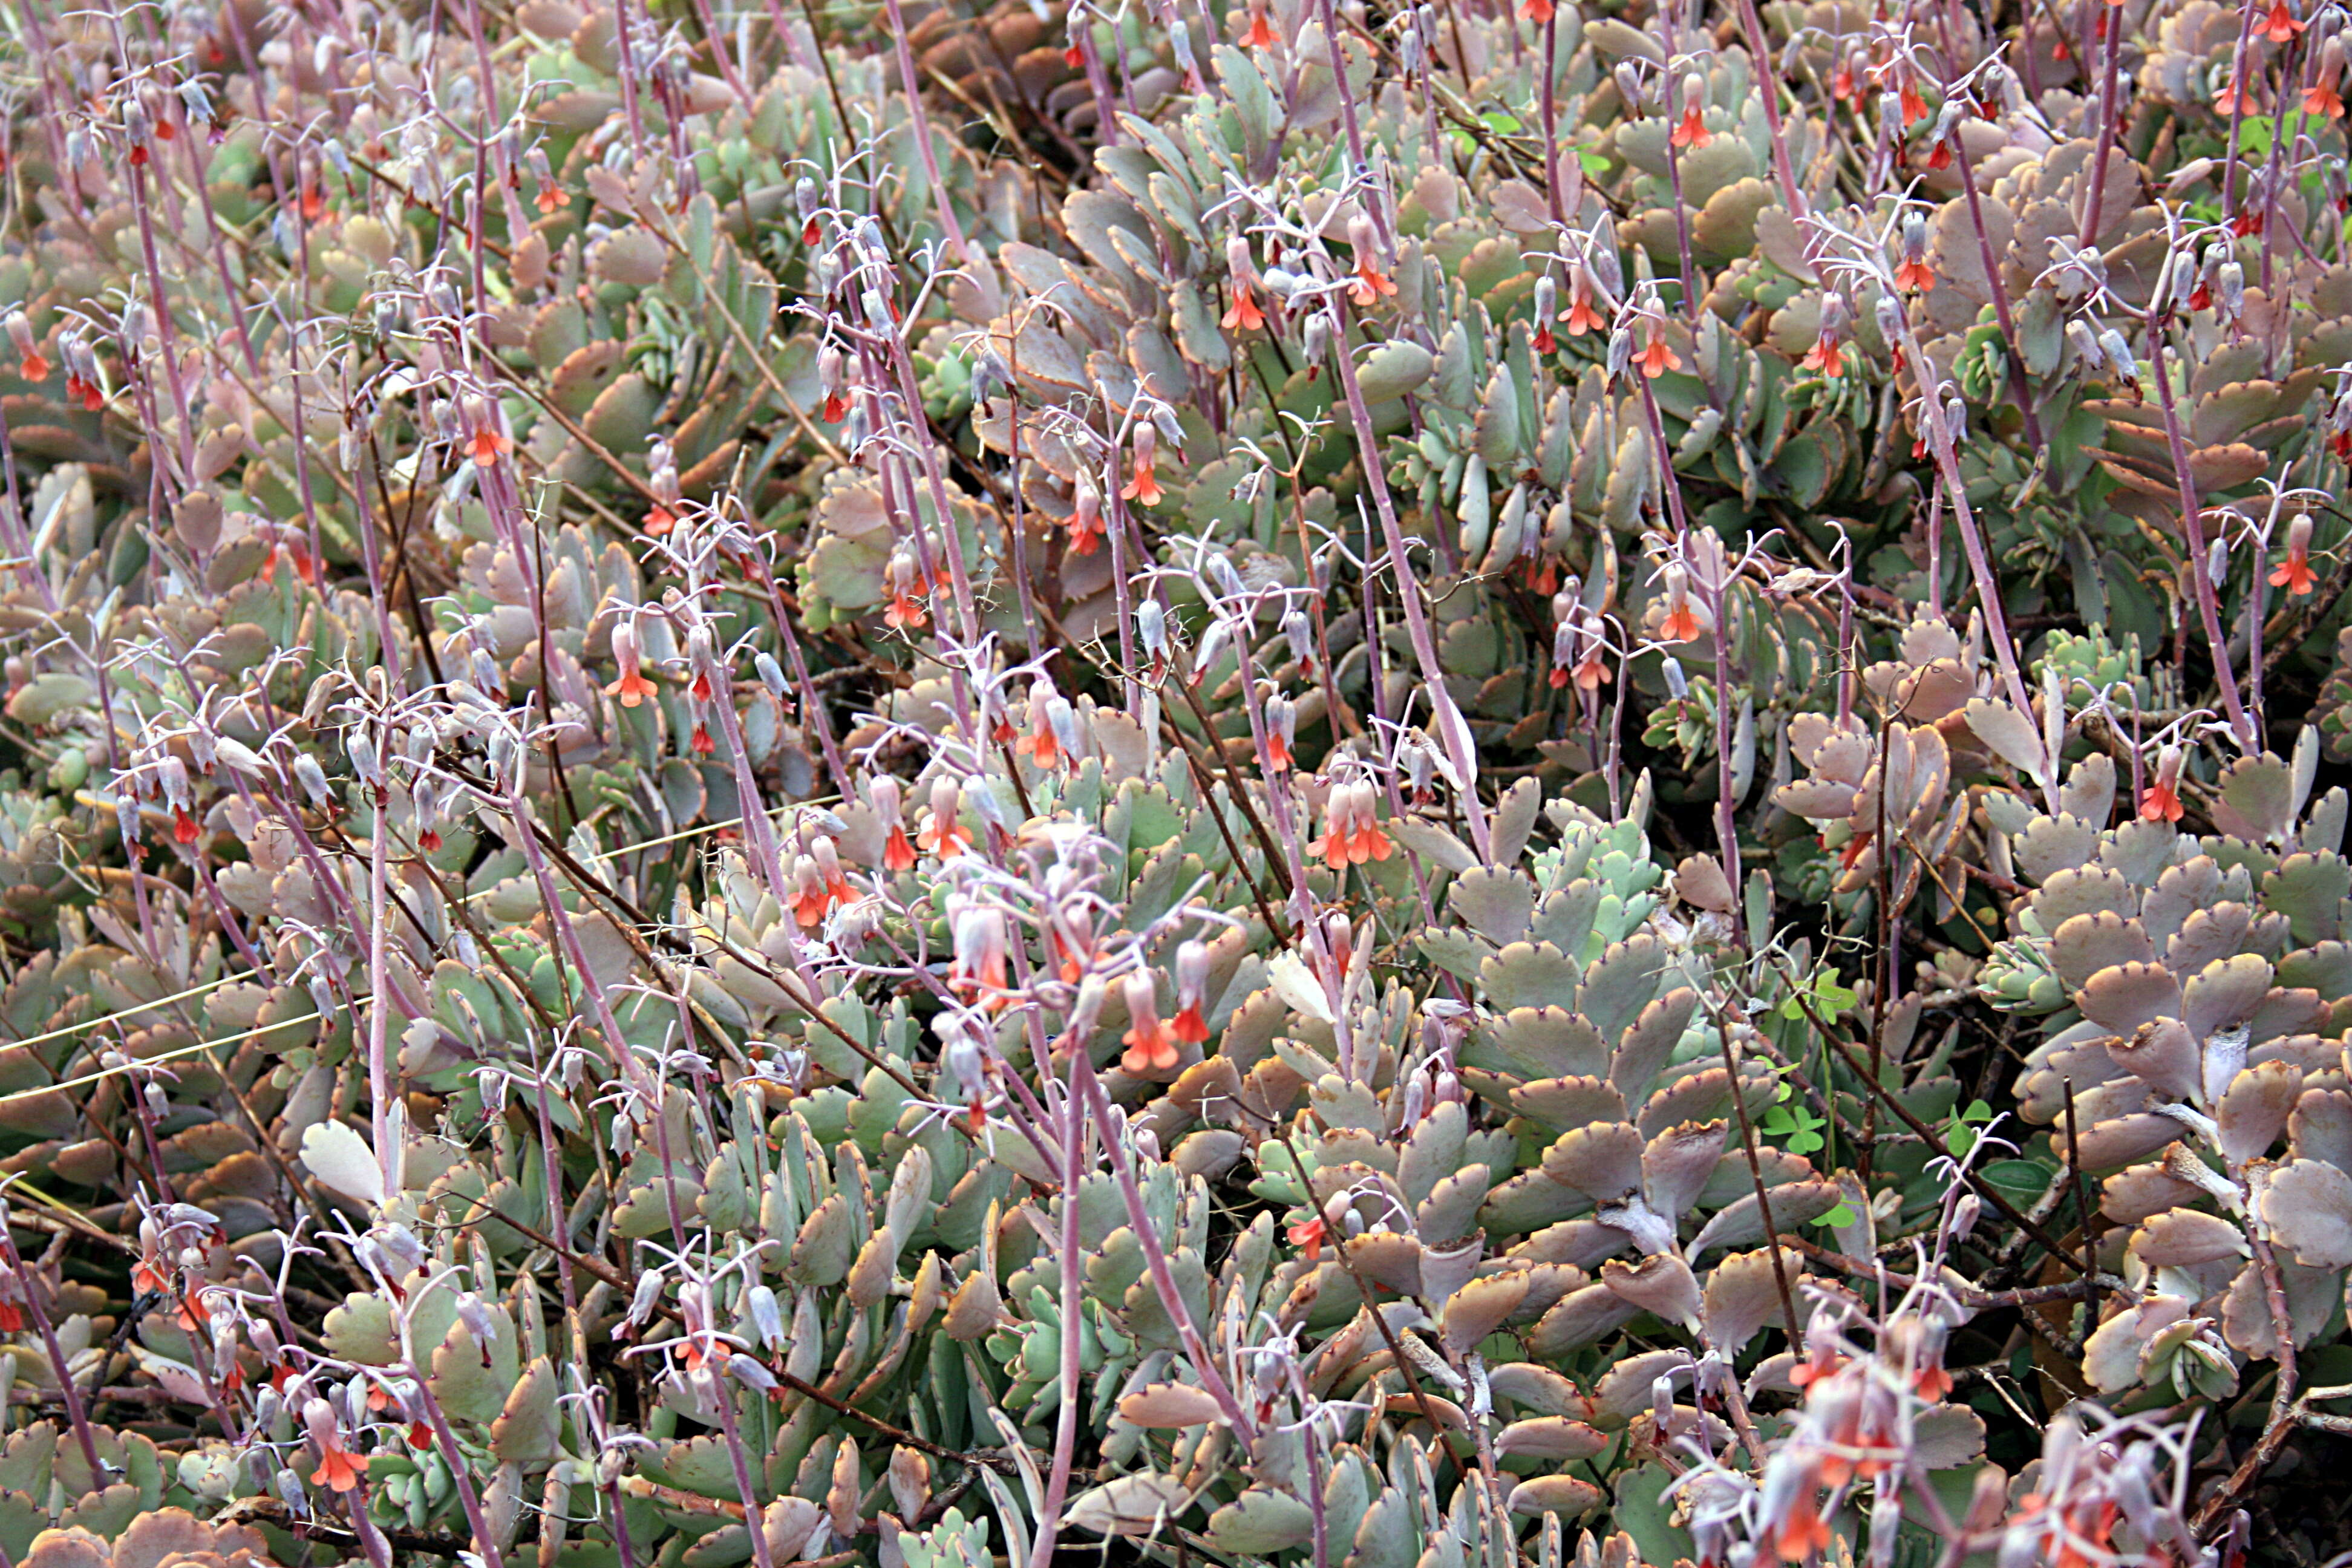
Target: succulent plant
924	785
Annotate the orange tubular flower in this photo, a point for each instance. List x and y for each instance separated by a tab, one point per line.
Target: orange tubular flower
1042	744
1150	1046
1191	987
1914	276
898	849
1143	487
1244	314
1372	284
1070	940
832	376
977	975
2161	801
2295	575
488	444
1683	622
828	866
34	365
943	834
1086	529
812	900
1581	317
1691	131
2322	97
906	580
1261	33
1307	1234
2281	27
1800	1531
1828	352
632	688
1655	358
1915	106
1352	834
1281	733
338	1470
1536	11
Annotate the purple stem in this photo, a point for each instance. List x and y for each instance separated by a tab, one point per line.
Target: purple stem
1453	731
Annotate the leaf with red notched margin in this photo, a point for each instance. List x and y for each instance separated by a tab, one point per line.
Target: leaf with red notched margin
2119	1000
2225	994
1661	1284
2255	1106
2308	1207
2183	1239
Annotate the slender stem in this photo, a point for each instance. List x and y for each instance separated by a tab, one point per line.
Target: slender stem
2192	524
1155	1258
1452	730
924	150
29	1287
1065	1417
